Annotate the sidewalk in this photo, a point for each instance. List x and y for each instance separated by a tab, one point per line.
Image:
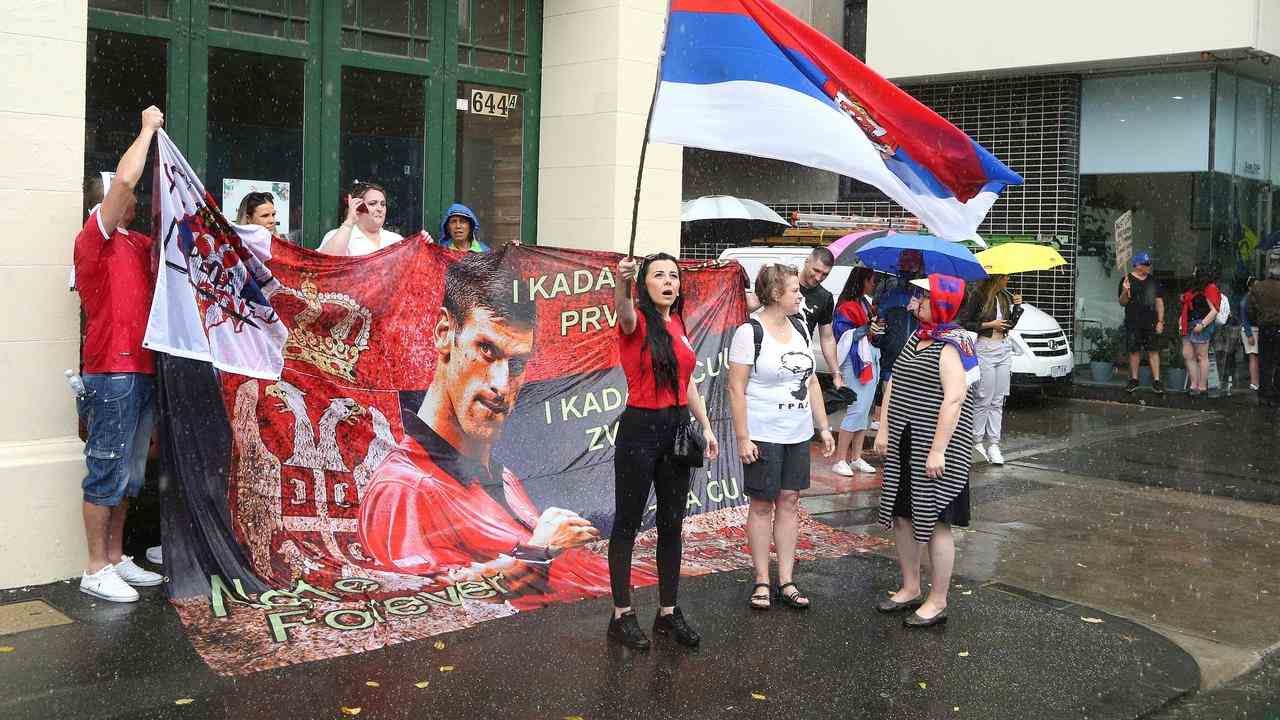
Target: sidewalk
1001	656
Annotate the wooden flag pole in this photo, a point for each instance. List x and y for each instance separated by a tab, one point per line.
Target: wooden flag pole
644	144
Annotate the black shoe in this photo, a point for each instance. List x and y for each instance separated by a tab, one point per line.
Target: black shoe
915	621
675	626
1157	387
1132	386
889	605
626	630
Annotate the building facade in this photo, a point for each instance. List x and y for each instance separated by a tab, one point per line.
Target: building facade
530	111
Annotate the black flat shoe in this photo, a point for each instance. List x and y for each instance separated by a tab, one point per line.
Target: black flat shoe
889	605
915	621
626	630
759	602
793	600
674	626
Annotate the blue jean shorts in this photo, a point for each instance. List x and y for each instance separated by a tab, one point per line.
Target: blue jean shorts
119	410
1200	338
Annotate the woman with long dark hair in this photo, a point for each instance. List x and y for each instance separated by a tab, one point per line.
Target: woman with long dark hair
362	213
658	360
1200	305
990	312
858	331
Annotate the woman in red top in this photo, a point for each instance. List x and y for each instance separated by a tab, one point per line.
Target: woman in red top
658	360
1200	305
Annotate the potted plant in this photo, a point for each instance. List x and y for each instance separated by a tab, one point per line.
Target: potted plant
1104	345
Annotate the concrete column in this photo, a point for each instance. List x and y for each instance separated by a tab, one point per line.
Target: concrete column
599	62
42	126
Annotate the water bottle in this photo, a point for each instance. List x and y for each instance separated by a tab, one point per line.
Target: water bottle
76	383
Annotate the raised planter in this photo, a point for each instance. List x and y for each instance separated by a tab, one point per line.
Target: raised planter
1101	371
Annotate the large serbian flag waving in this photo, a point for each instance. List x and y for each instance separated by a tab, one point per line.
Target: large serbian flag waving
746	76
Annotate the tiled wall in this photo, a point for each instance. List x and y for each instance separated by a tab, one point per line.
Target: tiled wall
1033	125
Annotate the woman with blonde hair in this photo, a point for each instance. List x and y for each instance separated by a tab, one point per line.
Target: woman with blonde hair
991	313
776	401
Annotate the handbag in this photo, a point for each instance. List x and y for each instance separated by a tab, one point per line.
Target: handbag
690	446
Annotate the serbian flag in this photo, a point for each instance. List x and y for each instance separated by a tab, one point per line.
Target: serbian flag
748	77
850	316
213	287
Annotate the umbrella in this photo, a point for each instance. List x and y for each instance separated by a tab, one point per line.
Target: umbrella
940	256
846	248
726	207
1012	258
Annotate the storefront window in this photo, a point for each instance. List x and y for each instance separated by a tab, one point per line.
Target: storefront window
125	74
391	27
383	128
491	34
255	133
273	18
146	8
490	159
1145	123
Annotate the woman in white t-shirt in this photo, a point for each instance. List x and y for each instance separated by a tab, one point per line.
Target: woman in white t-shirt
776	402
361	231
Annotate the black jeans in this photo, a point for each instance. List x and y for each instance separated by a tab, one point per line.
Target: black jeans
641	460
1269	363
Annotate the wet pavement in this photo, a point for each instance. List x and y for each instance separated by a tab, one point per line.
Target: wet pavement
839	659
1177	561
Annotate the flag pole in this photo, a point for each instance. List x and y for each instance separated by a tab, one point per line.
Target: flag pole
648	122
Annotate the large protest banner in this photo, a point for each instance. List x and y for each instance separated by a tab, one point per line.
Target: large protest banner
439	416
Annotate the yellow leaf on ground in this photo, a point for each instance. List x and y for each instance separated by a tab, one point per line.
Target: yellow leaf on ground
963	654
923	685
373	683
572	717
956	708
1091	619
967	592
446	668
183	701
439	645
350	711
421	684
7	648
758	696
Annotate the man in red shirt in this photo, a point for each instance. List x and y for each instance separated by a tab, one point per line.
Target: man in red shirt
115	277
439	505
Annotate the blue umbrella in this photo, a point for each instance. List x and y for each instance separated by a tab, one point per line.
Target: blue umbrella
940	256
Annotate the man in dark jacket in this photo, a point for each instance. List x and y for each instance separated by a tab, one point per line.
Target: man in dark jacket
1264	312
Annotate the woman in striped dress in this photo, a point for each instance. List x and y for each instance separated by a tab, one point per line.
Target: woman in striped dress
926	438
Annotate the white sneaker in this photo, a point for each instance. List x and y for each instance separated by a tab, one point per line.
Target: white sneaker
106	584
994	455
875	425
863	466
842	468
154	555
134	575
982	451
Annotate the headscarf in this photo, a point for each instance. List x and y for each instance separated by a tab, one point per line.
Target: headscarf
946	295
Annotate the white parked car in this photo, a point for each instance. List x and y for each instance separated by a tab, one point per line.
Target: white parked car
1041	353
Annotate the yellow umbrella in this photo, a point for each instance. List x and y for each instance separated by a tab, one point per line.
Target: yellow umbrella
1009	258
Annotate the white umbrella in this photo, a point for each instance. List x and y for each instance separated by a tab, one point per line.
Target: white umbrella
727	207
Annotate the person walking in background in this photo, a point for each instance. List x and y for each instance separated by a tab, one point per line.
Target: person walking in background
991	313
859	332
1139	293
362	214
658	361
460	229
1200	305
1264	312
776	401
926	438
1249	335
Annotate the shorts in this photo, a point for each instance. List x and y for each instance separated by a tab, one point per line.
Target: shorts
1250	343
781	466
119	410
1141	339
1199	338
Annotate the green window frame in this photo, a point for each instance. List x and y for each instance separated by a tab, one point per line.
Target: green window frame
189	39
